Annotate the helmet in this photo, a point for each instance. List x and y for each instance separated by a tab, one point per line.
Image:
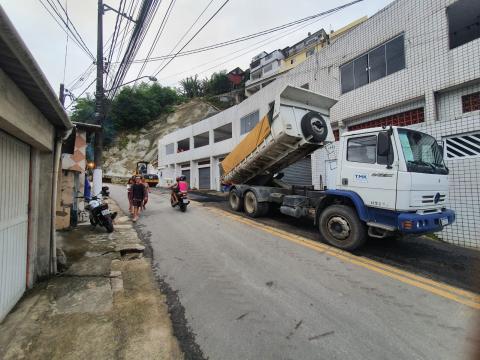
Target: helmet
183	178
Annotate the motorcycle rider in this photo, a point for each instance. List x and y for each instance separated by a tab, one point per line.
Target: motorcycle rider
180	186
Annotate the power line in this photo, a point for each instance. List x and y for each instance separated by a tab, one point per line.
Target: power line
66	47
52	11
251	36
193	37
63	28
73	25
188	30
163	24
248	48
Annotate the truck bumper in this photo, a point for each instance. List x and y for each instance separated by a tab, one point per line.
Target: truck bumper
413	223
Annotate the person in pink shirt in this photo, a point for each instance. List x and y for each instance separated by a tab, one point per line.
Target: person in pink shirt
180	186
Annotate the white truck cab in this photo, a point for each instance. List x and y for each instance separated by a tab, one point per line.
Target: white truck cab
400	177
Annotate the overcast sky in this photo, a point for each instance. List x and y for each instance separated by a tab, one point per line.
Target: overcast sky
239	17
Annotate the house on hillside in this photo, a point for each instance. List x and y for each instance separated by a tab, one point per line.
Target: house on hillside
32	126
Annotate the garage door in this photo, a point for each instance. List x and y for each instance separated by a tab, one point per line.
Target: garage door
14	188
299	173
204	178
186	173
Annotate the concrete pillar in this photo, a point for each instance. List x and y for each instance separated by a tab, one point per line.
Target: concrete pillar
34	209
44	181
430	107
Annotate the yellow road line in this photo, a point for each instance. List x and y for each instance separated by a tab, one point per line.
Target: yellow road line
459	295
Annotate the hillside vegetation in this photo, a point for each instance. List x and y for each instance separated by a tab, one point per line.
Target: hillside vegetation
135	145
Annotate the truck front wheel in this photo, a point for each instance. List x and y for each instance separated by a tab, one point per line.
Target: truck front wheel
340	226
236	203
253	207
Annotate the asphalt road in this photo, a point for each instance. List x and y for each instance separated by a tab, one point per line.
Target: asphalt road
248	291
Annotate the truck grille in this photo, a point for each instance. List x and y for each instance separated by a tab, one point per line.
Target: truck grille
430	199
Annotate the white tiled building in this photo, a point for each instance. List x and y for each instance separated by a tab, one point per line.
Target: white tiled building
415	63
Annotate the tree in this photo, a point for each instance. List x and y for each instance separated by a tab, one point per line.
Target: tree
218	84
191	87
136	106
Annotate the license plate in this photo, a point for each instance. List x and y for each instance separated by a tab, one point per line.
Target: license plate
105	212
444	221
185	201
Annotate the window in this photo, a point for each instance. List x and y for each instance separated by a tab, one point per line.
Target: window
462	146
362	149
346	76
269	56
378	63
463	22
267	68
183	145
360	71
471	102
383	159
248	122
201	140
384	60
310	52
222	133
305	86
257	75
170	148
401	119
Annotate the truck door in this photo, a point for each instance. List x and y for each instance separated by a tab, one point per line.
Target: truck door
366	173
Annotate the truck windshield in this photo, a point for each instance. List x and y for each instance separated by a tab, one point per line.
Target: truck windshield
422	153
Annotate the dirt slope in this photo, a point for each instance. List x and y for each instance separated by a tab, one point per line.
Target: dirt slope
130	147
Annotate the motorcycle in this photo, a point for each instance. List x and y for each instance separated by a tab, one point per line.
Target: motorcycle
182	201
100	214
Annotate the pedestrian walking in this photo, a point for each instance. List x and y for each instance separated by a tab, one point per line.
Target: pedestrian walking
138	195
147	190
130	182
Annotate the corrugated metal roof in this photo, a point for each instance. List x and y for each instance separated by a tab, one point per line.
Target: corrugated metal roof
18	63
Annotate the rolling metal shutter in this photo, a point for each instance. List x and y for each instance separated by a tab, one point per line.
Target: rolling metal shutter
299	173
14	190
187	175
204	178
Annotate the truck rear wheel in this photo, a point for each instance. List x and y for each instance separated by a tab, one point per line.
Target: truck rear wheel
340	226
236	203
253	207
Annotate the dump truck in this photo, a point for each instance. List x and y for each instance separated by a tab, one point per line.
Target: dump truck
389	181
142	170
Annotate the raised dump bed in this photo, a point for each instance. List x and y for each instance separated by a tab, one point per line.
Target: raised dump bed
297	124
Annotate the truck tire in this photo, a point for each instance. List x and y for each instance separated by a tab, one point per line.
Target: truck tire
236	203
253	207
340	226
314	125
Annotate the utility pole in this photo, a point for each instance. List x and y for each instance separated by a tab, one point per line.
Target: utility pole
99	106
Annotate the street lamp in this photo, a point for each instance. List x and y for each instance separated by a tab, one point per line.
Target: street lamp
151	78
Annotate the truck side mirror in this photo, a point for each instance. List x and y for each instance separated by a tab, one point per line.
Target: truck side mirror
383	143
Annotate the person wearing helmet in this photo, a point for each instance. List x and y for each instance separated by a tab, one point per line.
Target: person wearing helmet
181	185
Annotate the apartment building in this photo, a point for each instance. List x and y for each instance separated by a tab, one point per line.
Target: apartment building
415	63
264	69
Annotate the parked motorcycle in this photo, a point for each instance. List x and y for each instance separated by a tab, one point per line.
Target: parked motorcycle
182	201
100	214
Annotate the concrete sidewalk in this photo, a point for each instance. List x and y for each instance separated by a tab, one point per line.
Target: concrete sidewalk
106	305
